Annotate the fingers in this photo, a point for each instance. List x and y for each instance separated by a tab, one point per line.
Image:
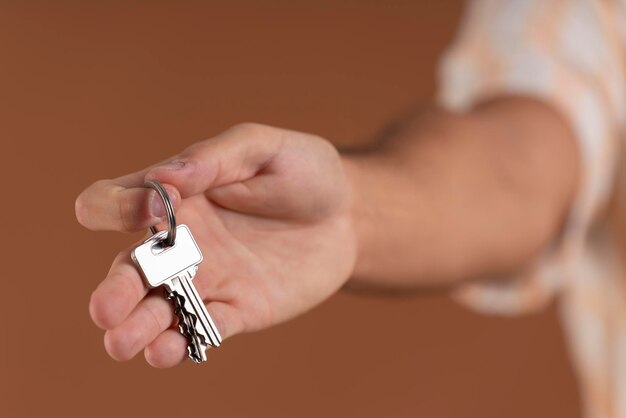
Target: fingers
149	319
118	294
234	155
135	318
168	350
149	327
113	205
123	204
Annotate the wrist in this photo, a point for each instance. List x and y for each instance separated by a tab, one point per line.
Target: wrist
365	175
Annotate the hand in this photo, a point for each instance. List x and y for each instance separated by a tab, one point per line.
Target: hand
269	209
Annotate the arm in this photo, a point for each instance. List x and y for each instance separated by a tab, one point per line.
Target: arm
452	197
284	220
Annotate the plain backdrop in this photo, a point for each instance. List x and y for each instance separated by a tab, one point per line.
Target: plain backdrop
96	89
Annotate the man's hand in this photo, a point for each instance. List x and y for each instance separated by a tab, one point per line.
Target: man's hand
270	211
280	216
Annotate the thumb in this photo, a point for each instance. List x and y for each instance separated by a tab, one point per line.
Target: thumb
235	155
121	205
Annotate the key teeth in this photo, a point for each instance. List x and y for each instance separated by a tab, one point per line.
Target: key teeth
193	325
196	352
205	338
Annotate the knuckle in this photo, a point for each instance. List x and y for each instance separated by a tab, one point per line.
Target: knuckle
326	147
249	129
158	322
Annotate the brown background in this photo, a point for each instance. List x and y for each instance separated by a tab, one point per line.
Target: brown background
96	89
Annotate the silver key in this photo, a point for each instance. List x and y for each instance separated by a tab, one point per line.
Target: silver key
174	268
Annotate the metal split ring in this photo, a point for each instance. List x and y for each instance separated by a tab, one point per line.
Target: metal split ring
170	238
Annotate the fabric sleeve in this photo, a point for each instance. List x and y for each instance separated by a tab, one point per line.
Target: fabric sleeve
567	53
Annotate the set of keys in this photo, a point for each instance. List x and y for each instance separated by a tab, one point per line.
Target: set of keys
170	259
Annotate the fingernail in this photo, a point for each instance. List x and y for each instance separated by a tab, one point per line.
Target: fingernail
157	208
173	165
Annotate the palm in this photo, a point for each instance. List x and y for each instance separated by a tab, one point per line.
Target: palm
267	269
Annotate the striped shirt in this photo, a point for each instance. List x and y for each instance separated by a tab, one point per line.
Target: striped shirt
571	55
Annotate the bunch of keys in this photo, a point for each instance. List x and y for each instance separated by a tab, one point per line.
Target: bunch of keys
171	259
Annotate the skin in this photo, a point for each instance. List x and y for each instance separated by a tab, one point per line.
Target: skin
285	220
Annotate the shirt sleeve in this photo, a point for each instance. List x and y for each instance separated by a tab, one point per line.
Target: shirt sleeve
567	53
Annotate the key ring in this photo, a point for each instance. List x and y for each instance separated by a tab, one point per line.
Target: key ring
170	238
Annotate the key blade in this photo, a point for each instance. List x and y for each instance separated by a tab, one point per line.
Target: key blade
194	305
158	265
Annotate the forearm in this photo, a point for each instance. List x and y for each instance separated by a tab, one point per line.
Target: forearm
453	197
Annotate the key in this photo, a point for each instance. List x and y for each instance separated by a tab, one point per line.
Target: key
174	268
